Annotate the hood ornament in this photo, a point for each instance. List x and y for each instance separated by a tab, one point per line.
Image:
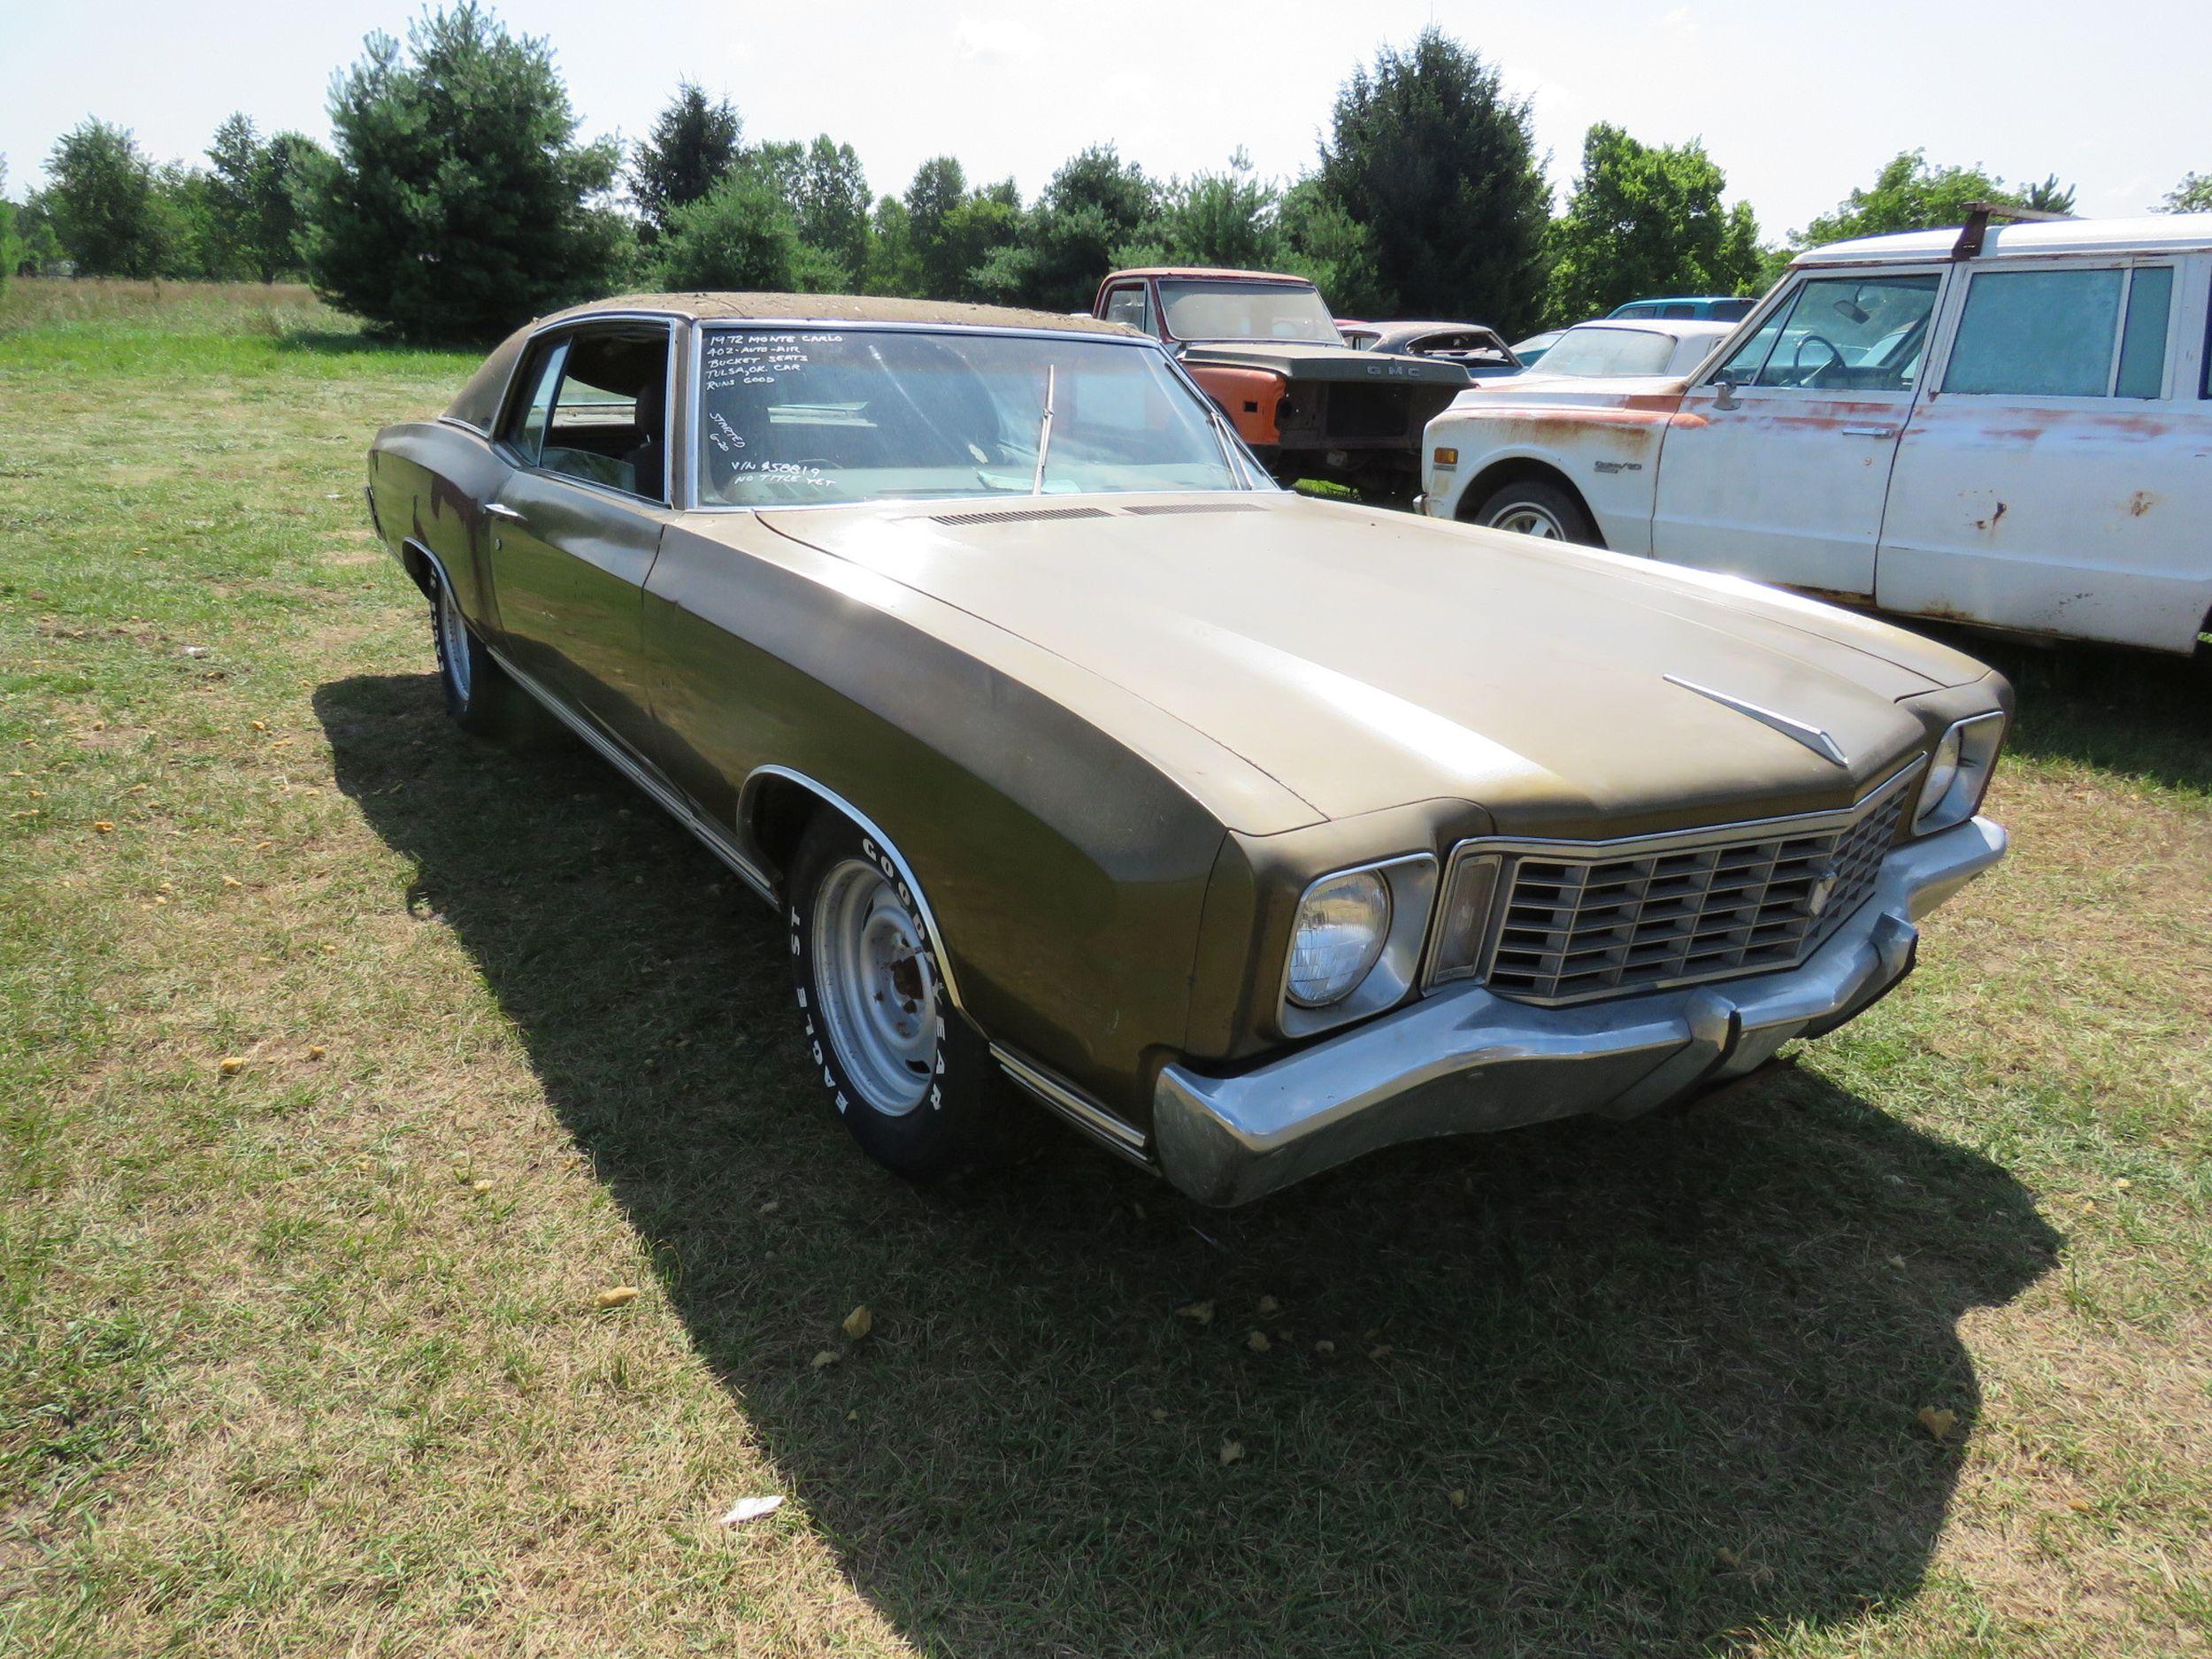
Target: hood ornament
1813	738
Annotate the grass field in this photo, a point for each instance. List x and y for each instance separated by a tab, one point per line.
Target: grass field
307	1358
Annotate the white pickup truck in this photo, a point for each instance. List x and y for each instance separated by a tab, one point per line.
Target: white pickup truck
2010	425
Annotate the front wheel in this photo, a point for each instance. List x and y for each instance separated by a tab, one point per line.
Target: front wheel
479	695
913	1082
1538	507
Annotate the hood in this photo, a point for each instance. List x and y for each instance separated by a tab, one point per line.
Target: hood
1365	659
1581	391
1309	360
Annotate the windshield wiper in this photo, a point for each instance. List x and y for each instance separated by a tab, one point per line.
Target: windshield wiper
1044	429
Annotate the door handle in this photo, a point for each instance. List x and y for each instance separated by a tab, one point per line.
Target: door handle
495	510
1869	432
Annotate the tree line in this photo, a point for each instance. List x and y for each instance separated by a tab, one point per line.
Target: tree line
458	198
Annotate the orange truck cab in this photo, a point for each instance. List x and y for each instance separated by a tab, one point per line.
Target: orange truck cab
1264	347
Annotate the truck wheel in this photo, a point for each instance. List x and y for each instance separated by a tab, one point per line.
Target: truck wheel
913	1080
1538	507
482	700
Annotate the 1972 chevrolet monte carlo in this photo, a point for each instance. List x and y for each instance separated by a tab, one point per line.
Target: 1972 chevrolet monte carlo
1247	832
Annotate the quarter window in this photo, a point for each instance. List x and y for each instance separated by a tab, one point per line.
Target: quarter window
2081	333
2143	339
526	428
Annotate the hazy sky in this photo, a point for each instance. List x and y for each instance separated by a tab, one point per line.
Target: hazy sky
1796	103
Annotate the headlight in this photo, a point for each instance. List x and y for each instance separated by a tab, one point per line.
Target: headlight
1958	773
1342	923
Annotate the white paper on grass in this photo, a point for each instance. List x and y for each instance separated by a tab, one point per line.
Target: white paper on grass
751	1509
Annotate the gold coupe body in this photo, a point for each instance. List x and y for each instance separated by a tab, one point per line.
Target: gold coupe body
1247	831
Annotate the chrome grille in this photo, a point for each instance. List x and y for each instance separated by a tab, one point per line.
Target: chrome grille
1675	910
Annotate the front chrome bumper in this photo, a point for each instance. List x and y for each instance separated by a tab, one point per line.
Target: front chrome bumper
1461	1060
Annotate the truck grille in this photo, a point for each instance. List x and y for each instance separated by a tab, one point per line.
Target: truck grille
1676	910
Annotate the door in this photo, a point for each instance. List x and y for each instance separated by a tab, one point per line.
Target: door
2060	476
578	522
1777	466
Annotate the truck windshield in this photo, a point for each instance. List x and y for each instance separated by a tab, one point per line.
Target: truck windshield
1595	351
1246	310
797	416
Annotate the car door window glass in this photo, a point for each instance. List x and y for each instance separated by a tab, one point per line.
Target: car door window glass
610	414
1125	305
527	426
2143	336
2037	334
1846	333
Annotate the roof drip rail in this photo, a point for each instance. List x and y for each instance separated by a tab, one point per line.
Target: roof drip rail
1968	246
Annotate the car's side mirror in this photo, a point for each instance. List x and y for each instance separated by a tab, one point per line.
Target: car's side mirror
1726	398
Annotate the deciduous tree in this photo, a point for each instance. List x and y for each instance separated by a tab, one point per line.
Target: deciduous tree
1910	194
254	196
2192	195
100	198
741	235
1095	203
1646	220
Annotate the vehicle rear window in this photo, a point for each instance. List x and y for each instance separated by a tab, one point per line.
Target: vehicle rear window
1606	351
791	417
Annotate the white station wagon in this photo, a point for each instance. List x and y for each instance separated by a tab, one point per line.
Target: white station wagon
2010	425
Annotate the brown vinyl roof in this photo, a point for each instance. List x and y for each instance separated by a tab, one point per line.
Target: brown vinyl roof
841	308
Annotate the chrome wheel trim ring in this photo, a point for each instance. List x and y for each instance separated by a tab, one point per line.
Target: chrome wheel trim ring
1525	518
453	642
876	988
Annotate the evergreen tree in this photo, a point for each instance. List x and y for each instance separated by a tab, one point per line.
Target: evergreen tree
1431	156
459	203
693	143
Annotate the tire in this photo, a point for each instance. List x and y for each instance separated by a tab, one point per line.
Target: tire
912	1080
1538	507
481	698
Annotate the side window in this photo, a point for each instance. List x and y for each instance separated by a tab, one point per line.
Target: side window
2064	333
1125	305
609	415
2143	336
1842	333
524	433
2037	334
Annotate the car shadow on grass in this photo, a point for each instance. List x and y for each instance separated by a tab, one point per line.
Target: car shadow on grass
1585	1389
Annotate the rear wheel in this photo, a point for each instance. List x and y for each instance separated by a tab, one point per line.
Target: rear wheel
1538	507
479	695
913	1082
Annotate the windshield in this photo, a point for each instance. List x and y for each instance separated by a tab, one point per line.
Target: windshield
1593	352
1247	311
790	417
